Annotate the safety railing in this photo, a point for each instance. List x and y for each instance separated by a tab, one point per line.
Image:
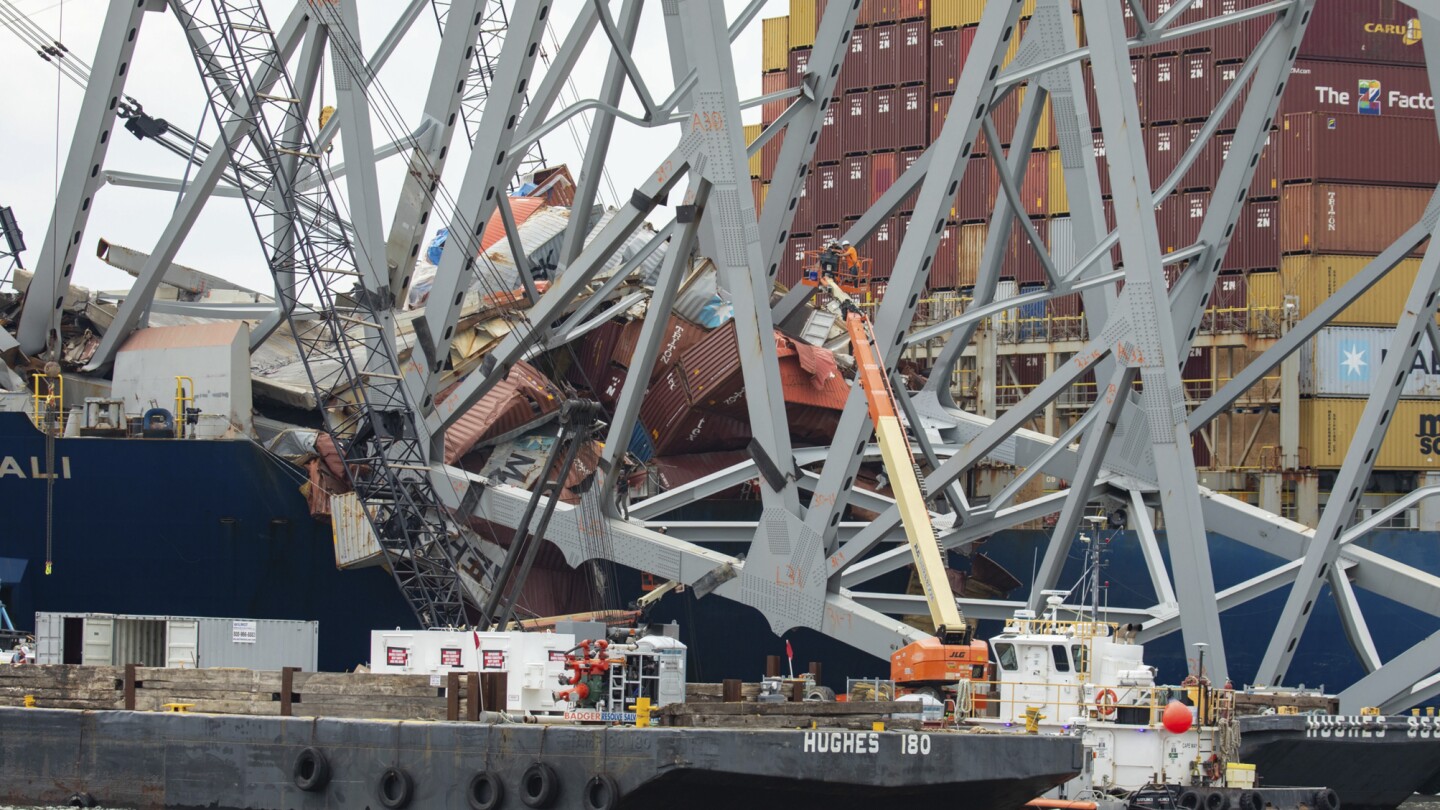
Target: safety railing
48	403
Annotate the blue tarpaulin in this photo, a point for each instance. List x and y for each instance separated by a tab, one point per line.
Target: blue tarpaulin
437	246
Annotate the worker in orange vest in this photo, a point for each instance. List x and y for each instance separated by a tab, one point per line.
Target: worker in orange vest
850	260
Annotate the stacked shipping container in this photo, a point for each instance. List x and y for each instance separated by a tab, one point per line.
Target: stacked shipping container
1344	170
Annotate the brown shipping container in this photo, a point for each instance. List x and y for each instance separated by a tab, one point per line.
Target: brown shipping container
912	118
883	173
945	270
792	269
971	251
907	159
1021	262
1333	148
804	221
1235	42
912	60
1330	218
884	56
1195	42
774	44
974	202
944	60
884	111
1265	182
881	247
1180	219
913	9
1138	76
827	207
855	123
1225	75
1328	427
711	372
1166	144
1102	164
799	63
1226	311
1374	31
1256	245
1367	89
855	185
827	149
771	83
877	12
1312	279
939	108
770	155
855	70
1180	88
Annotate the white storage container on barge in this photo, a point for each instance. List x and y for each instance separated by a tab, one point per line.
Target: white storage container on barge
108	639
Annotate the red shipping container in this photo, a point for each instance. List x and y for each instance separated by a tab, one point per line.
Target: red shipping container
772	83
1256	244
1006	115
912	9
799	63
907	159
877	12
1367	89
826	200
1021	261
1138	76
1179	219
945	269
1228	302
912	60
792	269
1167	144
884	110
912	119
1225	75
828	149
1329	148
1195	42
884	56
881	248
1235	42
855	70
939	108
1265	183
1196	376
883	173
1371	31
855	185
855	123
1180	88
974	202
944	60
1102	164
1035	190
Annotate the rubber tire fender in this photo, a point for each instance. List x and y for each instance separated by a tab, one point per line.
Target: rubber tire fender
539	786
1327	799
1250	800
1190	800
81	799
312	759
486	782
601	793
404	787
1215	800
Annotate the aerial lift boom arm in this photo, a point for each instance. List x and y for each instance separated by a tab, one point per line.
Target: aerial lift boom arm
950	626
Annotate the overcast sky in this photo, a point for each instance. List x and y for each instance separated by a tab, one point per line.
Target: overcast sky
40	116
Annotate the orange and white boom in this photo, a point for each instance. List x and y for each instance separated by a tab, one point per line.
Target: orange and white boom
900	466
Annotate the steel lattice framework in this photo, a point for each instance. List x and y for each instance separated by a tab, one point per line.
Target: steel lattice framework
1131	448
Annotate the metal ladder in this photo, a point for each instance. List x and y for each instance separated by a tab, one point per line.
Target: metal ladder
351	351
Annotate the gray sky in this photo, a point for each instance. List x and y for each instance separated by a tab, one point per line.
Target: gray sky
41	115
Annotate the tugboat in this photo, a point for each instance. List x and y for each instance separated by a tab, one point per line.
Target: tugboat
1148	745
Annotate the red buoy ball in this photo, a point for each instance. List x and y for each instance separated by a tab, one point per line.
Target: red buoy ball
1176	718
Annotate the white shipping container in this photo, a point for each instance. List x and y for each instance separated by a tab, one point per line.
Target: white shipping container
104	639
532	662
355	543
1342	361
1062	244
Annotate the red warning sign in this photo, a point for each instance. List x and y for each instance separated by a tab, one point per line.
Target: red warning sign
449	656
397	656
492	659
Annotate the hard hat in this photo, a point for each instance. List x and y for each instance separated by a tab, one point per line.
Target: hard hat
845	243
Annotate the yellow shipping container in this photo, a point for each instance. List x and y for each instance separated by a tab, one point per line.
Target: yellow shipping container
1059	201
1314	278
774	44
1028	10
1264	294
802	23
952	13
1327	426
752	131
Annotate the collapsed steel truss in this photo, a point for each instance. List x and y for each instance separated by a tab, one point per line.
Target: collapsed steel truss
803	566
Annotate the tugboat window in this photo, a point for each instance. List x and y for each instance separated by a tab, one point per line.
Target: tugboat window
1082	657
1005	654
1062	664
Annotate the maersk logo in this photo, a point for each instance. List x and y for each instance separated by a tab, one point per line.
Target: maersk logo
1354	360
1368	102
1428	433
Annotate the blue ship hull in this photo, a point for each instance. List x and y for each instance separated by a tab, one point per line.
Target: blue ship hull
219	528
